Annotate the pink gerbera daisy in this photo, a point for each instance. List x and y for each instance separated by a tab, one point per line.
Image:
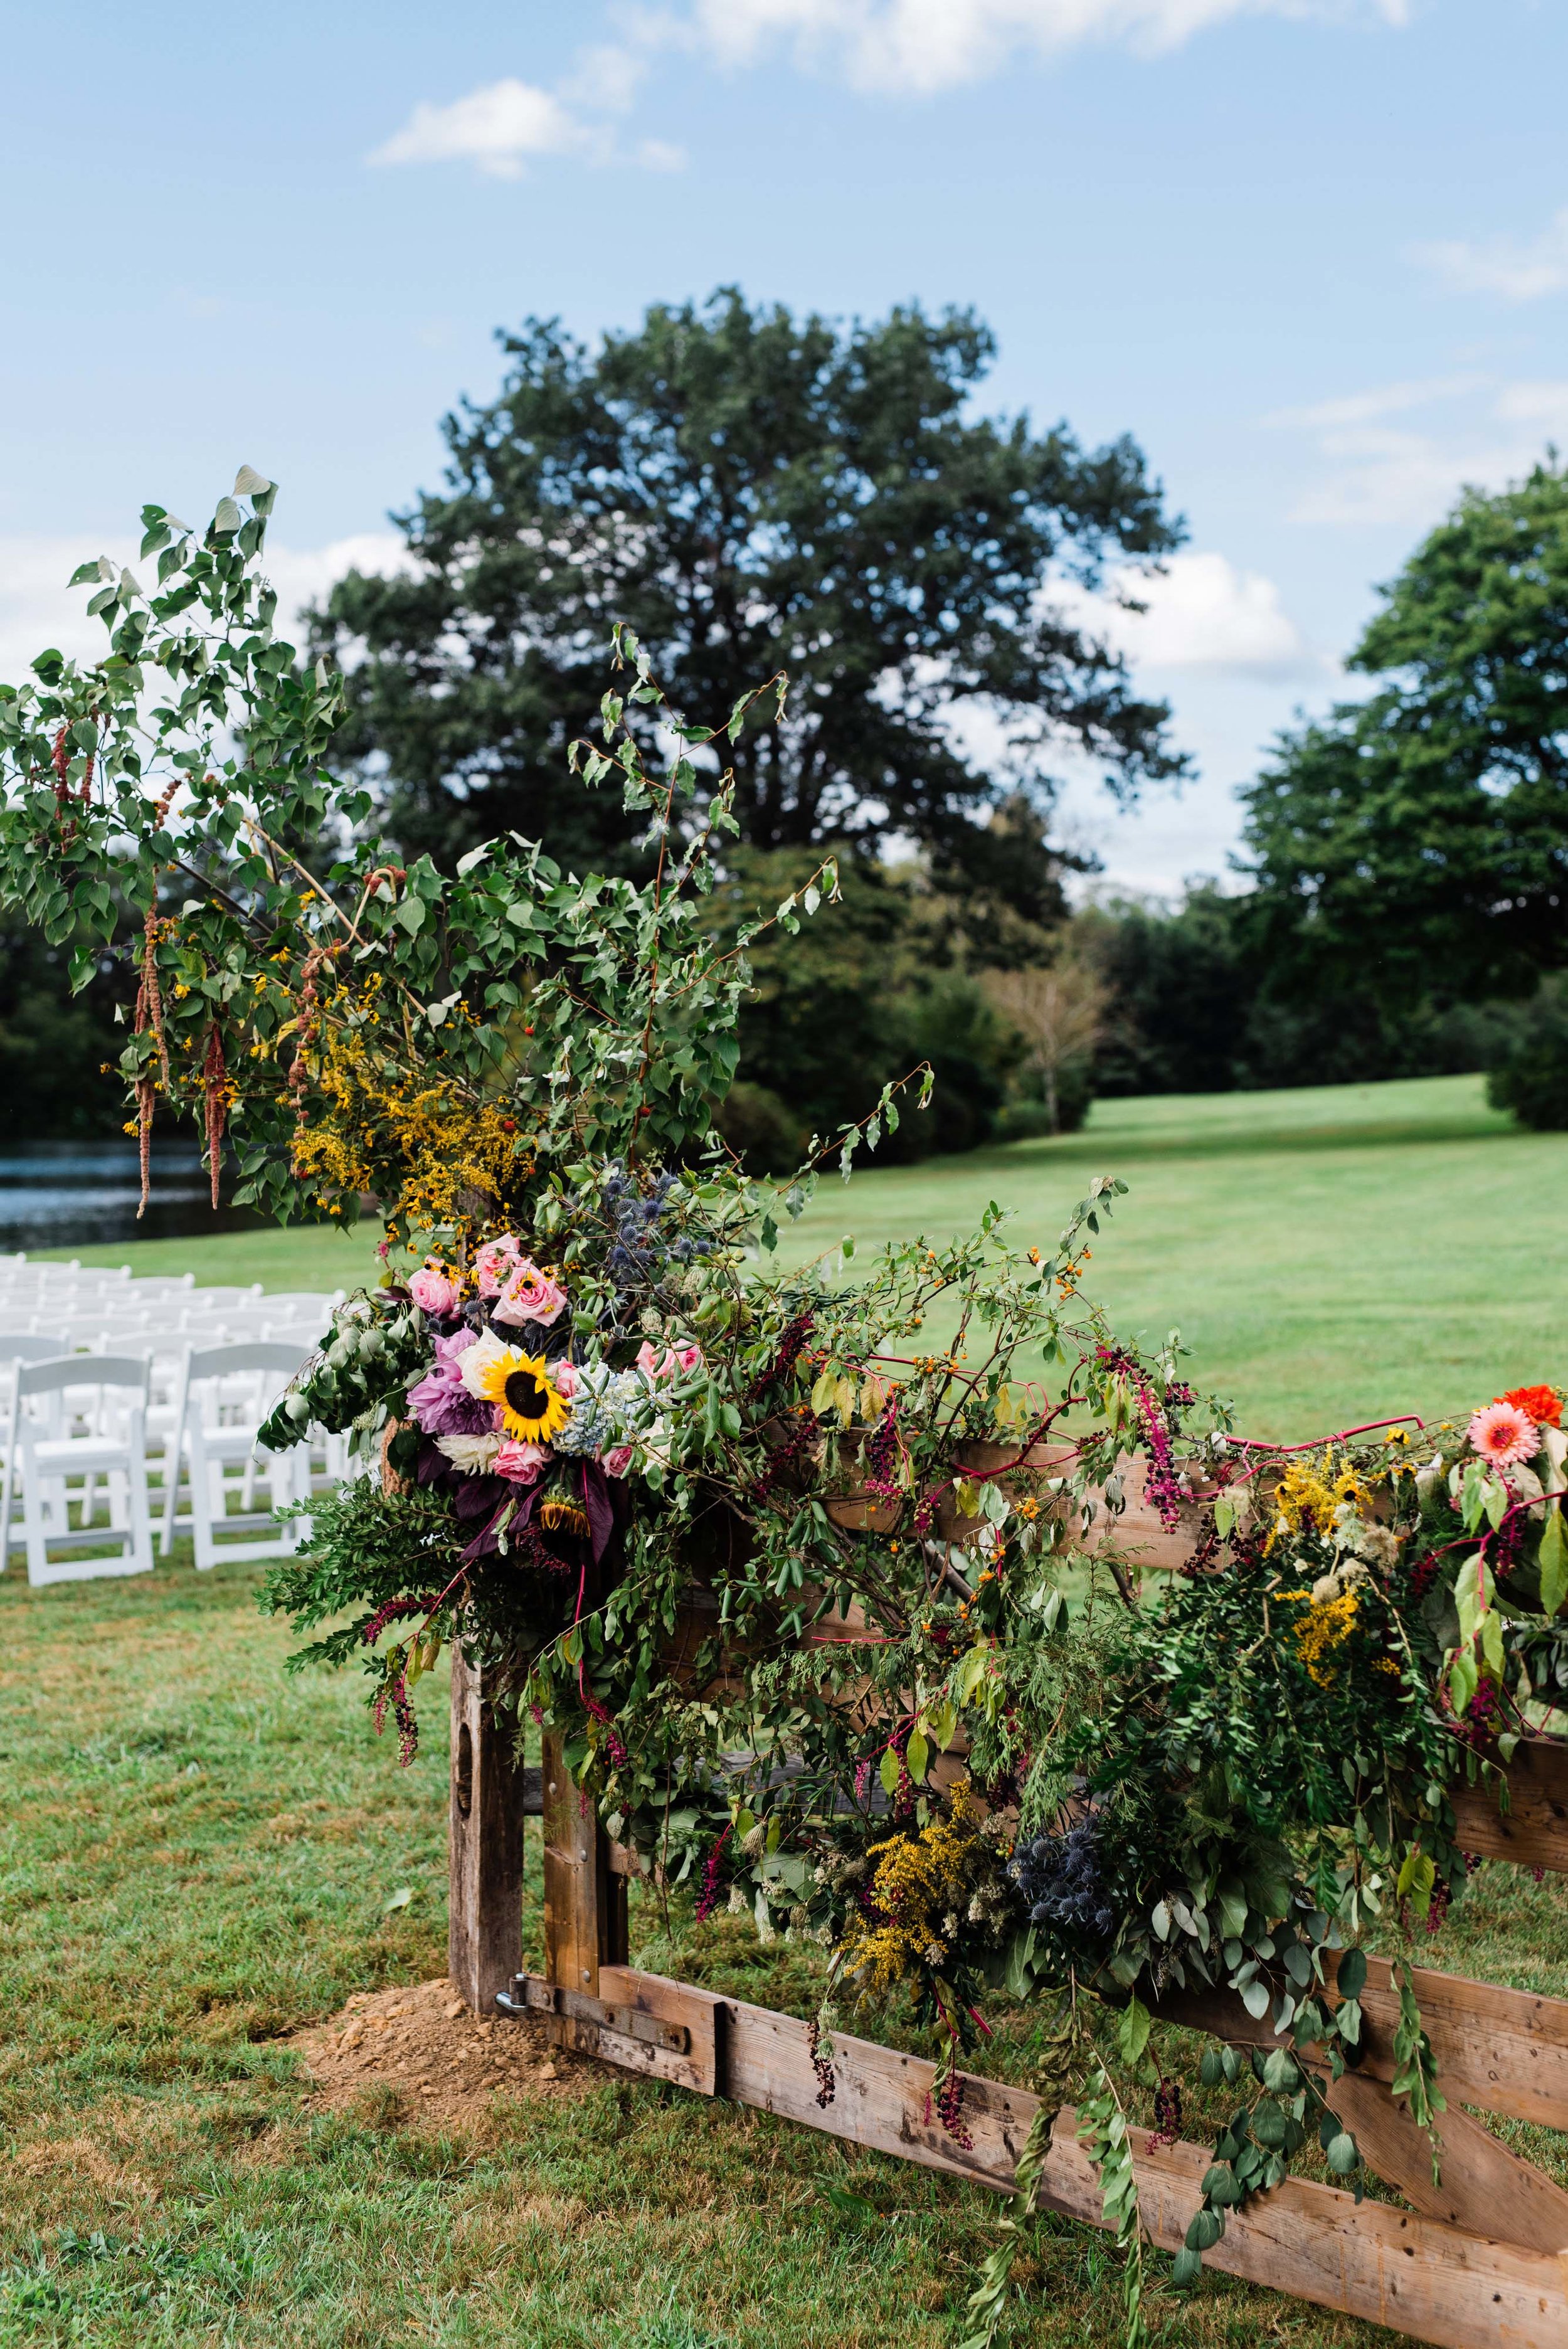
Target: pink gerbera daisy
1502	1434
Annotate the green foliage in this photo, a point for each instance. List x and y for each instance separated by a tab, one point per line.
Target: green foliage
1415	839
752	490
841	1009
192	672
54	1044
1180	992
1210	996
1030	1121
1102	2127
1532	1078
439	1040
171	2176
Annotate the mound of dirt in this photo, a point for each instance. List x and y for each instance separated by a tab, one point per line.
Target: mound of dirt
443	2063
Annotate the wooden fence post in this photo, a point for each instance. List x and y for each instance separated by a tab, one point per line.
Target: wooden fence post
585	1902
484	1934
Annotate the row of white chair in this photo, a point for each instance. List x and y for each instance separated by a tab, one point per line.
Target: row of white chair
128	1296
76	1419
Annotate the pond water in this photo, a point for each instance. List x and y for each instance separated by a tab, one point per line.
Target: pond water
78	1194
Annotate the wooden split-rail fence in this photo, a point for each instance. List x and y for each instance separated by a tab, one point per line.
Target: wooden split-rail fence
1479	2260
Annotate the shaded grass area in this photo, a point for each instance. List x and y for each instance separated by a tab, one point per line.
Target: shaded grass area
1332	1255
196	1857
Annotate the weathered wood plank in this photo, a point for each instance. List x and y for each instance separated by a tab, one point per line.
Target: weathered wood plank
484	1932
1483	2185
1533	1830
703	2011
1504	2050
661	2030
1432	2281
585	1902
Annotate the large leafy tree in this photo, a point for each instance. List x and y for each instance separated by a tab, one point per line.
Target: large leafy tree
1418	841
752	490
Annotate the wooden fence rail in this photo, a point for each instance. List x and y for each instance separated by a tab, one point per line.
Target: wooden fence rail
1480	2261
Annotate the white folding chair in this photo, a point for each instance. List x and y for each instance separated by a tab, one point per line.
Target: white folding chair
160	1285
21	1346
115	1452
163	1350
303	1305
225	1392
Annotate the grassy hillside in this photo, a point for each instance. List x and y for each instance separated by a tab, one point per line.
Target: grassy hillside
1330	1255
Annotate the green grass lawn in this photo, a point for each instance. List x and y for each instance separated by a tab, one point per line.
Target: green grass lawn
1331	1255
197	1852
306	1256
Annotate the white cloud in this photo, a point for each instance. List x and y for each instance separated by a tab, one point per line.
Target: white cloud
929	45
659	155
1202	613
1375	472
1544	407
1366	407
36	608
605	78
1519	270
916	46
495	128
1199	613
498	128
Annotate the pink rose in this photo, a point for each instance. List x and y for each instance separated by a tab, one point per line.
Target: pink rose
690	1357
565	1379
495	1263
433	1292
521	1462
616	1462
650	1365
530	1295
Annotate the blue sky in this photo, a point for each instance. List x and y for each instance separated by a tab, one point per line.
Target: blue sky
1313	253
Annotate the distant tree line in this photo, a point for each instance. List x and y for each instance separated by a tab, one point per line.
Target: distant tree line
752	491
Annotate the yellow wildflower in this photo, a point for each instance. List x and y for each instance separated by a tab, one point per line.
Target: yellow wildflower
1325	1626
919	1883
1310	1493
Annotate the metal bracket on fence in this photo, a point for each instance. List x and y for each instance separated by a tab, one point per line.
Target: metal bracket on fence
531	1995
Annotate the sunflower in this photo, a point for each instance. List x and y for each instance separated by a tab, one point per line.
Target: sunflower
531	1407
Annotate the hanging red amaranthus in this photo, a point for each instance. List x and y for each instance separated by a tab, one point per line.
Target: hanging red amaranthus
62	758
214	1080
299	1071
149	1015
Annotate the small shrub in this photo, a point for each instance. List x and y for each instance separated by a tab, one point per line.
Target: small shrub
1532	1078
1027	1121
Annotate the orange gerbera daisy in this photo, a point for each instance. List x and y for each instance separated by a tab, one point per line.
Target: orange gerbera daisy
1543	1404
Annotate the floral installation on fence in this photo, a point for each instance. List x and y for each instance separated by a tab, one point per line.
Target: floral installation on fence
822	1573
